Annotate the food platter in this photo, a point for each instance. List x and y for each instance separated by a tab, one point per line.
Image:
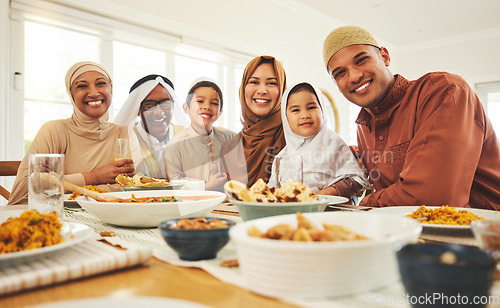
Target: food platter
73	233
405	210
150	214
299	269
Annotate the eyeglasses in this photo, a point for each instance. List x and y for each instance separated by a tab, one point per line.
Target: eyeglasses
165	104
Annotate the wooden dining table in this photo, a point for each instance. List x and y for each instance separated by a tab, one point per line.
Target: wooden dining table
157	279
154	279
161	279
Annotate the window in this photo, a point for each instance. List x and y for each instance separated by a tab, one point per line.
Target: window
494	110
489	94
130	63
50	49
223	73
49	52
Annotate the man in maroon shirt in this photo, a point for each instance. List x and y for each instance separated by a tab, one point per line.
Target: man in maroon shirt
426	141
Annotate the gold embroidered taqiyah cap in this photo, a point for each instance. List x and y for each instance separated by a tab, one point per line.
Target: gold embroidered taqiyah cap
343	37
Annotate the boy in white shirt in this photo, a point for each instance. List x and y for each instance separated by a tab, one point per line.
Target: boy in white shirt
194	154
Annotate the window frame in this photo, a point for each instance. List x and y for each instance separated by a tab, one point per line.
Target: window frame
109	31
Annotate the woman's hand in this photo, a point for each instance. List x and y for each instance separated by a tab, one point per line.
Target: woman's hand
107	173
216	182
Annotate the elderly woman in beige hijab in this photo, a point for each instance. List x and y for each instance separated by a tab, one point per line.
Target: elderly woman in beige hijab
86	138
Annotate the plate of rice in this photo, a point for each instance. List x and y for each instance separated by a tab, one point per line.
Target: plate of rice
441	217
26	236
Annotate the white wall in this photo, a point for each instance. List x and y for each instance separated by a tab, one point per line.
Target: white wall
476	60
294	34
285	29
4	72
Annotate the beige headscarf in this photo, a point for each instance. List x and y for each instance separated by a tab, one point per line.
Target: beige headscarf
262	138
80	123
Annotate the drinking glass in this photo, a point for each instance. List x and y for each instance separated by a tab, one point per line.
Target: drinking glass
288	167
122	149
46	183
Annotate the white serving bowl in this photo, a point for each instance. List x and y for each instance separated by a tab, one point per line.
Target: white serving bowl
320	269
147	215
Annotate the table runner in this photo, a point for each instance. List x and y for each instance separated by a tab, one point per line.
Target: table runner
392	295
84	259
226	207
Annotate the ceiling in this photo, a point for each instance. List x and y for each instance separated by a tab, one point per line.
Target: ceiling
404	24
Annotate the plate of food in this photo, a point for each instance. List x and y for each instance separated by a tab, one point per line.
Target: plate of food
51	235
148	208
441	217
260	201
140	182
69	199
321	254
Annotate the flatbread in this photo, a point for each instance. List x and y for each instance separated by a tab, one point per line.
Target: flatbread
291	191
139	181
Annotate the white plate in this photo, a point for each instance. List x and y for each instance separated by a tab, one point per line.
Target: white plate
147	215
335	199
174	185
405	210
73	233
126	302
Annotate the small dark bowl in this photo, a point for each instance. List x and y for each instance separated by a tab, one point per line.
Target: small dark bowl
425	276
194	245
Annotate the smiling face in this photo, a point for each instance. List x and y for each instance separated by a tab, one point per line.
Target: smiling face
361	73
157	119
91	93
262	90
203	109
303	113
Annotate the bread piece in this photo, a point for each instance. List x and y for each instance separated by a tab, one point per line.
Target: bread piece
144	181
124	180
239	191
293	191
262	192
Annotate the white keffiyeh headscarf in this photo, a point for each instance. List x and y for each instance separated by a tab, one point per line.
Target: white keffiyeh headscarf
147	151
326	157
129	113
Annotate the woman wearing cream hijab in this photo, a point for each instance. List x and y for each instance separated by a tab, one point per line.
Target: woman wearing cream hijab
87	138
249	155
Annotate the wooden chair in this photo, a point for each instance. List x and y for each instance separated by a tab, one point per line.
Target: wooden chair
8	168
